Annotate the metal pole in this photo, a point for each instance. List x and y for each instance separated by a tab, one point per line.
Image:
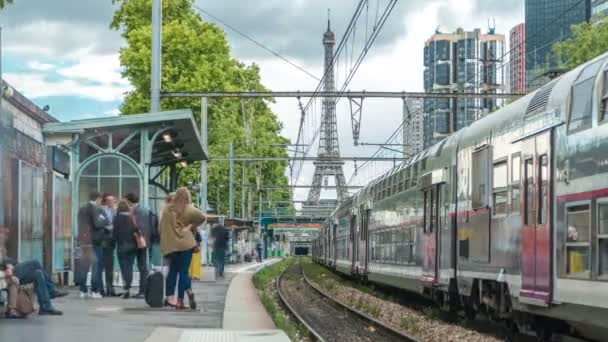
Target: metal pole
157	15
243	189
203	185
231	215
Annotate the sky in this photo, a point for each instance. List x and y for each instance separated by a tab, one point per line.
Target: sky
62	53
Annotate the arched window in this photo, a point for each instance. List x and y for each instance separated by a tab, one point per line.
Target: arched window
111	174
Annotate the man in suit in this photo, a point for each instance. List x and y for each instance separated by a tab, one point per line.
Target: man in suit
106	216
145	224
90	232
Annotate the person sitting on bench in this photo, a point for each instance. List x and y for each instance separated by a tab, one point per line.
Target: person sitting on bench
29	272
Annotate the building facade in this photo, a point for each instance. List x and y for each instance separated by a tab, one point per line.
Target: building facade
517	64
599	8
548	22
463	61
413	124
26	177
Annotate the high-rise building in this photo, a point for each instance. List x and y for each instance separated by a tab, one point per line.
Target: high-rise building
599	8
548	22
517	63
413	123
462	61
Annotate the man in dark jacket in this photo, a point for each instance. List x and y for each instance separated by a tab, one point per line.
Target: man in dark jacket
145	224
220	244
90	234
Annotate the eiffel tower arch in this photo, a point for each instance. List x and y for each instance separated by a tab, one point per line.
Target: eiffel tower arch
330	164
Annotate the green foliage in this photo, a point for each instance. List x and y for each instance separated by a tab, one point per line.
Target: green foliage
3	3
196	57
264	281
588	41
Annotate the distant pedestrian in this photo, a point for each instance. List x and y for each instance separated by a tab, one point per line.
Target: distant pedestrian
90	235
145	224
179	220
125	232
107	214
220	244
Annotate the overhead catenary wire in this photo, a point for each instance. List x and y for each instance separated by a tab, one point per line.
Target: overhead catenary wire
214	17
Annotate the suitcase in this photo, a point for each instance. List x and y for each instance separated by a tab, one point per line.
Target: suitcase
154	292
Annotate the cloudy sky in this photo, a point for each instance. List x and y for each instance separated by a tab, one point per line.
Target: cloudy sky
62	53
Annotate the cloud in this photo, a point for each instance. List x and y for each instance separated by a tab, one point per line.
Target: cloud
294	28
112	112
37	66
36	85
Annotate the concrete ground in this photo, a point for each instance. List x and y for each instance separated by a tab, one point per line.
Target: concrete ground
117	320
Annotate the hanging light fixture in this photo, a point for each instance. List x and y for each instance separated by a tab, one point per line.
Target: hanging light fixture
177	153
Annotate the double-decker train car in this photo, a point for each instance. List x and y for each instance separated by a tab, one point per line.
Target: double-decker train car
508	216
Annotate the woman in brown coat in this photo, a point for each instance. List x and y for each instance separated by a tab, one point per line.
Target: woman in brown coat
177	224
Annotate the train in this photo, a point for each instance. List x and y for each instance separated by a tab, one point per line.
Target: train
507	217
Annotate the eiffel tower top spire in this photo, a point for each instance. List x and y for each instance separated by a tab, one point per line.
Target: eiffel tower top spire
329	38
328	20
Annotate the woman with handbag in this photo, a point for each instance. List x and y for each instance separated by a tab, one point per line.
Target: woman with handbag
178	222
129	240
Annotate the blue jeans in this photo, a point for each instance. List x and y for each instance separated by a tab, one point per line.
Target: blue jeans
219	261
179	265
31	272
91	256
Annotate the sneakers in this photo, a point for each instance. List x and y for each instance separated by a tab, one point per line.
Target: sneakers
84	295
96	295
58	294
126	295
50	312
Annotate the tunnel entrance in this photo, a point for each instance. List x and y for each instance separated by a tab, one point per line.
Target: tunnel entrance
301	251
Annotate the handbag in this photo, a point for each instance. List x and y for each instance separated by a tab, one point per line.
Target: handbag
25	301
140	241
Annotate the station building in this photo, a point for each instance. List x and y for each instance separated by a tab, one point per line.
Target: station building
48	169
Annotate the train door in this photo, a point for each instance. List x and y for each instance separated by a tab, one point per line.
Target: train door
354	237
536	225
363	240
430	236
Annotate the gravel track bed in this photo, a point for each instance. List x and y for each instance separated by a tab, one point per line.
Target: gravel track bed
329	320
403	318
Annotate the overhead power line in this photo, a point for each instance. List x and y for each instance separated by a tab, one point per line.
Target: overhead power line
255	42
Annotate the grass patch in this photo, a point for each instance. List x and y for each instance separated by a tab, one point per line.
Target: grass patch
264	281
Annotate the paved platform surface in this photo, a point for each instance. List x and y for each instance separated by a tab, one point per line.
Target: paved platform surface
118	320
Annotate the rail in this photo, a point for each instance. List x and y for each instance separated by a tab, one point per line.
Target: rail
338	303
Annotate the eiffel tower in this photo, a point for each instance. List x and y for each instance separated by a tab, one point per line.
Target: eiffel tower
330	164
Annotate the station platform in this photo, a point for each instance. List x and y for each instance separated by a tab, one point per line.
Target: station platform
229	310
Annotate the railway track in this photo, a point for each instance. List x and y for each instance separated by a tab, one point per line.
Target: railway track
327	319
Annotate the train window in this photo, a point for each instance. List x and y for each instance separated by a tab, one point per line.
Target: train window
427	202
602	237
499	190
578	251
581	98
542	188
515	191
604	109
480	178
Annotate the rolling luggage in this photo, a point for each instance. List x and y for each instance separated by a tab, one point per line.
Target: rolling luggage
154	292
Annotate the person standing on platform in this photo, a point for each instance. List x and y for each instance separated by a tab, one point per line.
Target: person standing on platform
195	264
220	244
177	224
90	235
124	234
108	205
143	221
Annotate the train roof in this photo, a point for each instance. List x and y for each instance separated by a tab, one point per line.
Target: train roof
549	97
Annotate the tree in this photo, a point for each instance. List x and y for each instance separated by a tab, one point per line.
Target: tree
588	41
3	3
196	56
